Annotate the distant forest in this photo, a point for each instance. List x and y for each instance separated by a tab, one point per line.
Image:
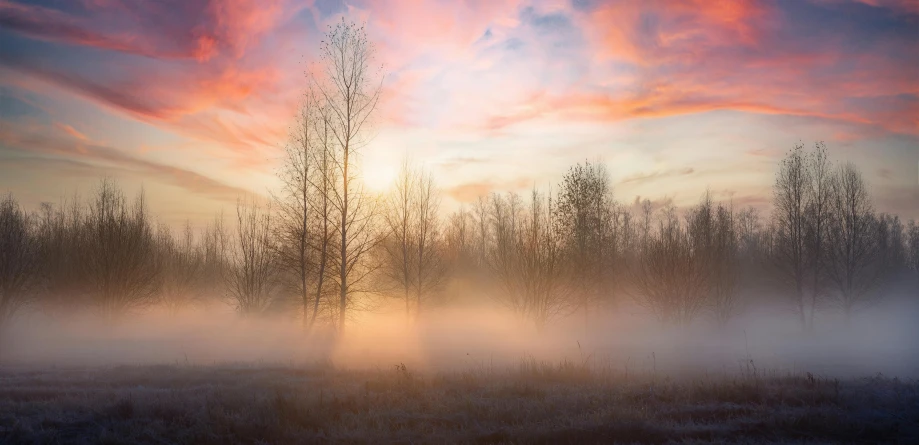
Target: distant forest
323	247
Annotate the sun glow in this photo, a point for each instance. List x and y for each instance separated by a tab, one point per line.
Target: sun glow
379	175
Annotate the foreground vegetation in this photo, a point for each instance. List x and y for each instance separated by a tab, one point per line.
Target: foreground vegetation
535	402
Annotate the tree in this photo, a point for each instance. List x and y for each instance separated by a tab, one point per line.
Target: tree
584	201
251	276
459	240
398	246
61	236
19	255
667	278
504	254
430	262
817	218
293	203
912	253
214	261
853	244
790	196
542	265
350	91
724	263
181	264
482	235
323	182
120	260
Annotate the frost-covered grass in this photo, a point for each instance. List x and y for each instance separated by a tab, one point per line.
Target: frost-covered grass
535	402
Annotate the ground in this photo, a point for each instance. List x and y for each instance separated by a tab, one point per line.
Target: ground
551	403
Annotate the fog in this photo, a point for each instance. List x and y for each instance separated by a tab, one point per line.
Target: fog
880	339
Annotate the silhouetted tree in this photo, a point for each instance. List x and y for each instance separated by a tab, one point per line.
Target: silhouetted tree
583	206
350	91
120	259
19	255
293	203
667	277
790	192
912	251
817	219
542	267
854	248
181	263
398	246
429	250
251	278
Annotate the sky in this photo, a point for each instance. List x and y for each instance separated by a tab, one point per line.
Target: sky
192	99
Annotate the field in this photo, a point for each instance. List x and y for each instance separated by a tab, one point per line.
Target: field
532	402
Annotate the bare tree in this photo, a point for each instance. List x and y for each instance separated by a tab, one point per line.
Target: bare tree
61	235
817	217
430	262
181	264
543	270
853	245
724	261
120	261
912	252
214	261
19	255
350	91
398	246
323	182
504	254
790	194
293	203
482	235
251	276
459	240
667	278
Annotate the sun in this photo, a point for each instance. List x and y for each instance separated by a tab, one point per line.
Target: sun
379	174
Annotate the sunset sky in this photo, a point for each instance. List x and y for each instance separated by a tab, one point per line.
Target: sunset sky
192	98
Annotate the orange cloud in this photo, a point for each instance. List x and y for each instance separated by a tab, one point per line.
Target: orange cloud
71	131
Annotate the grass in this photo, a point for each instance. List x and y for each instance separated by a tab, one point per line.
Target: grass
535	402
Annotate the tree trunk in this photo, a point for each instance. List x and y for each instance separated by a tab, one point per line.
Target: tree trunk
343	291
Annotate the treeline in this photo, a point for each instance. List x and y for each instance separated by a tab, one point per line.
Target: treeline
546	255
324	247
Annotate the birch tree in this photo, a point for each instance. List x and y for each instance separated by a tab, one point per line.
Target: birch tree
350	89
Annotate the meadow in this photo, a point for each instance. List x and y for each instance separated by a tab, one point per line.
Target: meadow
532	402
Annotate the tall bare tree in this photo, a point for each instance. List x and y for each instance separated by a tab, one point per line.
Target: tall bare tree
398	246
790	195
430	262
293	203
350	90
323	182
504	253
542	267
817	216
853	244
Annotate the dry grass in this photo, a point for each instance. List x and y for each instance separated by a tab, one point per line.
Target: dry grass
536	402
